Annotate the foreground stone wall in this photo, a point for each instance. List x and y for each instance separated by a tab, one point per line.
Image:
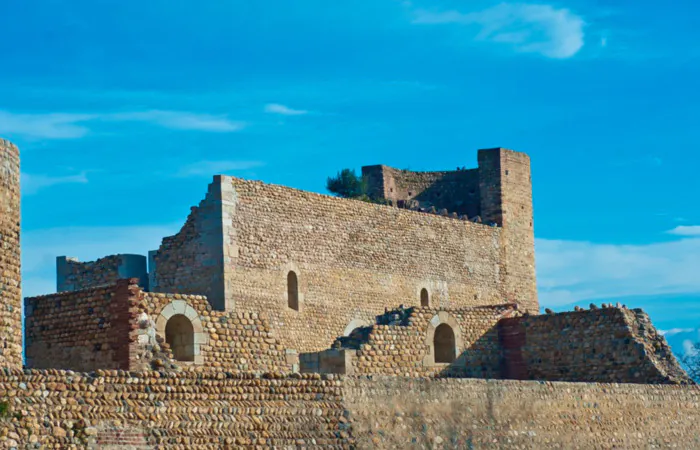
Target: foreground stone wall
122	327
10	273
394	412
56	409
605	345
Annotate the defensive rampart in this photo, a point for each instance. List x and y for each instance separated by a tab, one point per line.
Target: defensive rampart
224	410
74	275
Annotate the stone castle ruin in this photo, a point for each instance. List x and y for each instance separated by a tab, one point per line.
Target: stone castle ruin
278	318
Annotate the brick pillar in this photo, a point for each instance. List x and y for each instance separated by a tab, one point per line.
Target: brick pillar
10	275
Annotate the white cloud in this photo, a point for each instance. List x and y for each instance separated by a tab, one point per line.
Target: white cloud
41	247
46	126
683	230
74	126
276	108
674	331
543	29
570	271
32	183
180	120
210	168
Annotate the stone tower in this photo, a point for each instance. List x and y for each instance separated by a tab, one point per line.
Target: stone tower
10	277
505	187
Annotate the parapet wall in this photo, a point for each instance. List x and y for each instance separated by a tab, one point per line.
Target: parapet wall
395	412
10	272
73	275
603	345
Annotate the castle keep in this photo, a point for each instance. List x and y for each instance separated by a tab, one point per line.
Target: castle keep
278	318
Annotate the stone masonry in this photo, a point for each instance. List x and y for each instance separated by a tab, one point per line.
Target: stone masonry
10	276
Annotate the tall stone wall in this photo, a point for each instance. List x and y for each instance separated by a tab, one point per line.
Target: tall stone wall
10	273
457	191
449	413
601	345
73	275
351	260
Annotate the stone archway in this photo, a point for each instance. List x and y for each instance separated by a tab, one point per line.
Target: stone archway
182	328
443	339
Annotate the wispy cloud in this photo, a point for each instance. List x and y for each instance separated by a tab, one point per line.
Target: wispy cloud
33	183
674	331
685	230
41	247
46	126
570	271
74	126
542	29
177	120
276	108
209	168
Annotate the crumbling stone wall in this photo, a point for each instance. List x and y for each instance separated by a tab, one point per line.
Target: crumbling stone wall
457	191
211	410
601	345
73	275
401	343
449	413
10	273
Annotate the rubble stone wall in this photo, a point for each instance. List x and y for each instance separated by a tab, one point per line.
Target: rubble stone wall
10	273
457	191
408	349
74	275
599	345
397	412
57	409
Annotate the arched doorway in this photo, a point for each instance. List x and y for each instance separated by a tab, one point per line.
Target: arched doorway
179	334
424	297
444	344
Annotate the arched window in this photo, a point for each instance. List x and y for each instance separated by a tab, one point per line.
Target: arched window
179	334
444	344
292	291
424	297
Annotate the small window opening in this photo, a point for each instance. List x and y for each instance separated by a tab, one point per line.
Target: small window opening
506	171
179	334
444	344
292	291
391	189
424	297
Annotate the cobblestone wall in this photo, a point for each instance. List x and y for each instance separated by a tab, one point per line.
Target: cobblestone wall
10	274
56	409
396	412
604	345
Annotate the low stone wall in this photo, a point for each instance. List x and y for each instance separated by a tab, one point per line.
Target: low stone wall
58	409
74	275
395	412
599	345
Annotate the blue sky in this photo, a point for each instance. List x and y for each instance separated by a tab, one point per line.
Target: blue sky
124	110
